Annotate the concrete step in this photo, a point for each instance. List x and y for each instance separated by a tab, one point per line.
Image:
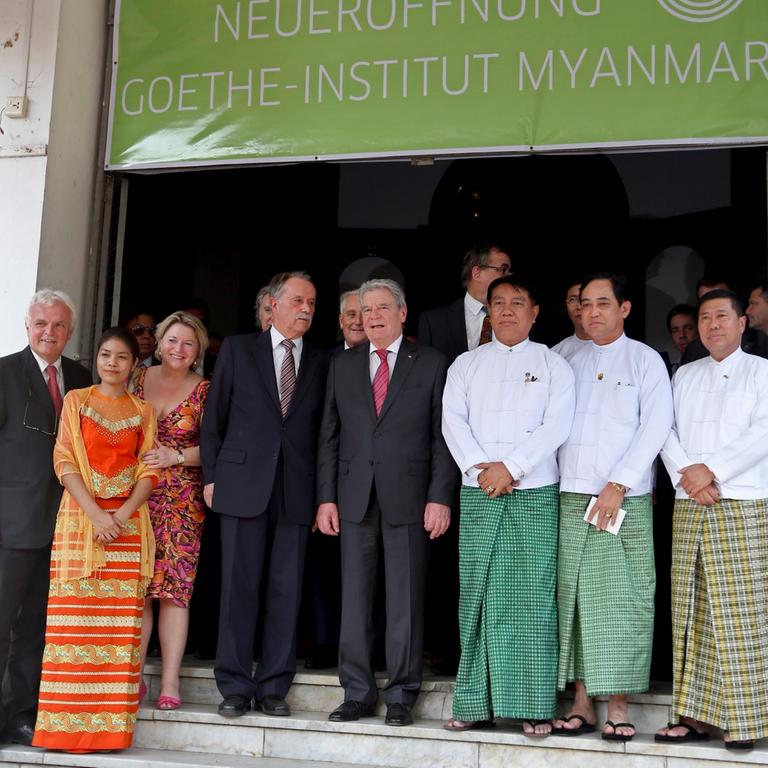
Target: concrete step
307	736
319	691
142	758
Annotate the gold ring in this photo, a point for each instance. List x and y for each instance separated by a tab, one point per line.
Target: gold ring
490	489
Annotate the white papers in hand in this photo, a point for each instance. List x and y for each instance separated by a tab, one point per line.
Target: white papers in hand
615	522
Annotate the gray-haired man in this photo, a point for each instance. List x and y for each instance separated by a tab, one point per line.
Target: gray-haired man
32	386
384	475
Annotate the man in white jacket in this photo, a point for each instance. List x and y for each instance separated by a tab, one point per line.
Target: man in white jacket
717	457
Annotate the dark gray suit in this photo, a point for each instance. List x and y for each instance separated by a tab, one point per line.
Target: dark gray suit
263	468
381	472
29	500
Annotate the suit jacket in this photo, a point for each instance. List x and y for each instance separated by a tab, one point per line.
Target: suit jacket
243	433
29	491
444	329
402	451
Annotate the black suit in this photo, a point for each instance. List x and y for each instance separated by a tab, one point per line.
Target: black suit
381	472
29	500
263	467
444	328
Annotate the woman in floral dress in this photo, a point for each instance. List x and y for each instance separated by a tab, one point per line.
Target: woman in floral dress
176	505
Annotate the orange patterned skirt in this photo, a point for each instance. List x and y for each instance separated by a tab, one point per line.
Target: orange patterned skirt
89	690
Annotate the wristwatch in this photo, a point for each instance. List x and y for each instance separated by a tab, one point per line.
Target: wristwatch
180	457
619	487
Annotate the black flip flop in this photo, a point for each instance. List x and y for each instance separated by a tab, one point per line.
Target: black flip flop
691	735
742	744
618	736
585	727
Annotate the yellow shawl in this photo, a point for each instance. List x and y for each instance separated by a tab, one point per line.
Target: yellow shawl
76	554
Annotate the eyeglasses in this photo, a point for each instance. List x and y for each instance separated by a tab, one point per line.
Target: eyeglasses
43	430
139	330
504	269
571	300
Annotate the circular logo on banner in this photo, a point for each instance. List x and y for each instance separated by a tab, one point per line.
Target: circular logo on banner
700	10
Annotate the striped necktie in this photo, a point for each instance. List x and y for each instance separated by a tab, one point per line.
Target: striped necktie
287	376
380	382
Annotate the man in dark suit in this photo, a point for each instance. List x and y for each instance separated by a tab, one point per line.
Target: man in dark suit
458	327
384	475
32	385
258	450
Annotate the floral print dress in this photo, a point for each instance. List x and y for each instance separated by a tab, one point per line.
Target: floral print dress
176	505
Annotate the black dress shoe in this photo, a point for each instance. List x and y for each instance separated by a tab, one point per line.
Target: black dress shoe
234	705
351	710
398	714
19	734
272	705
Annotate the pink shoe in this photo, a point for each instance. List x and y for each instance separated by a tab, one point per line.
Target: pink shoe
168	702
142	691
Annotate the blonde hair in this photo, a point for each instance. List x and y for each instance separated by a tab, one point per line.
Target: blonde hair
191	322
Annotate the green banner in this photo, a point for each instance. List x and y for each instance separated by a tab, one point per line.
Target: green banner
198	82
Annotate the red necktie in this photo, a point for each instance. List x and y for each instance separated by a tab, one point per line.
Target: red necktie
53	388
287	376
380	381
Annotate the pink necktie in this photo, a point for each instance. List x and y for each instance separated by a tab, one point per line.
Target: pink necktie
380	381
53	388
287	376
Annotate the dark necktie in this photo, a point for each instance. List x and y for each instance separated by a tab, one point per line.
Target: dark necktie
380	382
287	376
485	331
53	388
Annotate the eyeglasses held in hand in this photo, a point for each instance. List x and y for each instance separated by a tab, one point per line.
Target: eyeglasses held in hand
46	430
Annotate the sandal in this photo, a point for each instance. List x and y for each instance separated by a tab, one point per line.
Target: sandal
168	702
467	725
691	735
585	727
618	736
742	744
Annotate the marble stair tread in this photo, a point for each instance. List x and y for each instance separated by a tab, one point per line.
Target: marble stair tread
508	733
141	758
660	692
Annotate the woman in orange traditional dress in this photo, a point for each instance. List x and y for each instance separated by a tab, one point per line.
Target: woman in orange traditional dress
101	562
176	506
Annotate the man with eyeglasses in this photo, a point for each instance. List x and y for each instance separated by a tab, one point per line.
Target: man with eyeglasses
464	325
142	326
32	385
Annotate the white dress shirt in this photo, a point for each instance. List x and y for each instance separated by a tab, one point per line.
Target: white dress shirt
375	360
44	364
567	348
623	417
474	315
509	404
279	352
721	420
